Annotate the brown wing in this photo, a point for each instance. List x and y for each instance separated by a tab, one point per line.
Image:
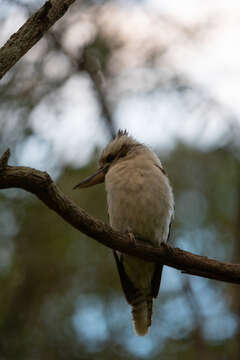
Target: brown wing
156	280
127	286
157	275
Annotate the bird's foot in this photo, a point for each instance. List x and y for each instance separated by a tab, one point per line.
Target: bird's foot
132	237
166	246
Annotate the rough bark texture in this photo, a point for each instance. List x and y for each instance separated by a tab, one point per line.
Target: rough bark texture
40	184
31	32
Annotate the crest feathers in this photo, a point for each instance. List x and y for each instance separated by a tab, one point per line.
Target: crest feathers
122	133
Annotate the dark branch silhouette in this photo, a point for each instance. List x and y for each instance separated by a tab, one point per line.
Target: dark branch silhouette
31	32
40	184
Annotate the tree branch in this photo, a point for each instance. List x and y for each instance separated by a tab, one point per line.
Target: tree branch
40	184
31	32
90	63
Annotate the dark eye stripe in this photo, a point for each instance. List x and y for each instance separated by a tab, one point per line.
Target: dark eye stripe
110	158
122	152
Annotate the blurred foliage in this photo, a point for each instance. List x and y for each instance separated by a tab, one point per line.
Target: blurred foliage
60	293
54	273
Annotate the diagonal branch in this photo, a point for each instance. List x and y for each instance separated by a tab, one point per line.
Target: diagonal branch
40	184
31	32
89	62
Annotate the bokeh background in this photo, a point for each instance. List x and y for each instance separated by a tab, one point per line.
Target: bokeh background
169	73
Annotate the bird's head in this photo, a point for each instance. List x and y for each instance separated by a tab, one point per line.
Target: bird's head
121	148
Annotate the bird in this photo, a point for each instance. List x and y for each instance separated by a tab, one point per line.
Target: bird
141	203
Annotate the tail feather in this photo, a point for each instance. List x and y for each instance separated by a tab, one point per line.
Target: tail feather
149	307
142	314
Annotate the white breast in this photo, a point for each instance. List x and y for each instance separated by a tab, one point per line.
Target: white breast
139	199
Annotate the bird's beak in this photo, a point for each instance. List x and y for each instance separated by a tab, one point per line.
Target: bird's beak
94	179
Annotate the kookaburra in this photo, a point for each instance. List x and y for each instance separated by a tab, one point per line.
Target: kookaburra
140	202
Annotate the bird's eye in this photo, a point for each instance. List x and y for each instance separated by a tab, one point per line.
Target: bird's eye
123	151
122	154
110	158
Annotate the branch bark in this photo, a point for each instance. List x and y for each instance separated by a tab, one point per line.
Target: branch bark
31	32
40	184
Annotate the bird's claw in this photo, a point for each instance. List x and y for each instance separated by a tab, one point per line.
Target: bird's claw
132	237
166	246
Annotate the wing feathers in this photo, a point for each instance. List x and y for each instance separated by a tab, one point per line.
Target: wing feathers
127	286
156	280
